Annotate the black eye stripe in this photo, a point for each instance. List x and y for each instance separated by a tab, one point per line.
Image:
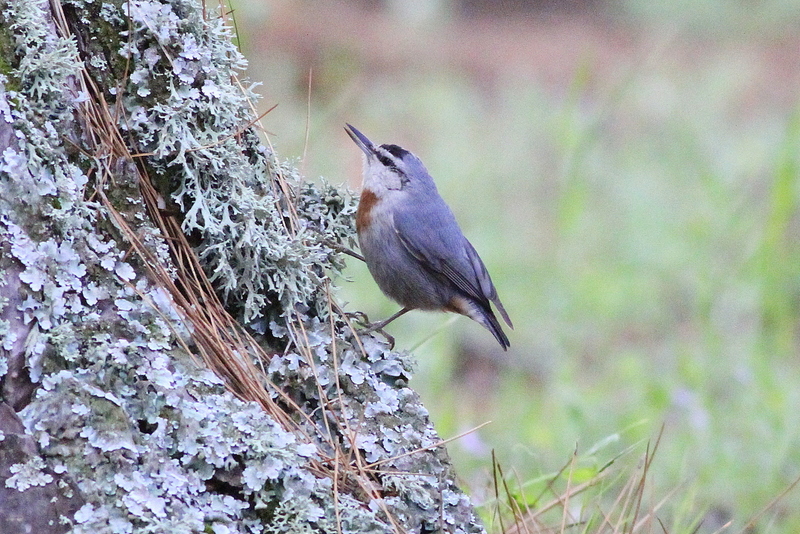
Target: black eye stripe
395	151
390	162
387	162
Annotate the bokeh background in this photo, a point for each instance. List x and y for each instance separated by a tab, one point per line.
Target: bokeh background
628	171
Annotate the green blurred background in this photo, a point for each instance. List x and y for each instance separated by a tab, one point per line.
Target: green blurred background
628	170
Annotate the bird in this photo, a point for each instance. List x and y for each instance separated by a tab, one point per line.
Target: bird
412	244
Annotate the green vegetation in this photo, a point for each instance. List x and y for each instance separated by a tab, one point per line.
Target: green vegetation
640	218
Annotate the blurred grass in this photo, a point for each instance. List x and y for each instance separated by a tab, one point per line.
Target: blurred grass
717	18
639	218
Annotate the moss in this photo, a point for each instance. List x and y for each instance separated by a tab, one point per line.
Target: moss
7	51
98	35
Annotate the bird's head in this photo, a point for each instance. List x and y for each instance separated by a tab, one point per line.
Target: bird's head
389	167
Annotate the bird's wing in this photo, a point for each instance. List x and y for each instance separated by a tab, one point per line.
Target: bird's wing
433	237
485	281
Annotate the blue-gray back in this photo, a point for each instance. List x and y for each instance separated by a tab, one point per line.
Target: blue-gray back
428	229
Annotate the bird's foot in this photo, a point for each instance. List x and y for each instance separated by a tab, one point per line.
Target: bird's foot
358	316
389	338
378	327
367	328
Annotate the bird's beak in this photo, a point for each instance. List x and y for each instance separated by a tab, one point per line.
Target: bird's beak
360	139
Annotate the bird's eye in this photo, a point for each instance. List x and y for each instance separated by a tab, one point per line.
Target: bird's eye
388	162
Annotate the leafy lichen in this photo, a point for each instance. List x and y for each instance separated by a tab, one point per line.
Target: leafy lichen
153	441
28	474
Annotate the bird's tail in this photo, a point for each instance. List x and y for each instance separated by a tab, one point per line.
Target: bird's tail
482	313
489	320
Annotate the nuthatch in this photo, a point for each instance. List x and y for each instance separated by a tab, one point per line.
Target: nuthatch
413	245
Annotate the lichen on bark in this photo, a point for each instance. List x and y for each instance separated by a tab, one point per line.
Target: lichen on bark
104	396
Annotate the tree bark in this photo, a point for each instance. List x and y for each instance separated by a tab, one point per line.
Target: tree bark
148	237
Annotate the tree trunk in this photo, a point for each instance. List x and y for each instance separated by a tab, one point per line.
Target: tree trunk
170	357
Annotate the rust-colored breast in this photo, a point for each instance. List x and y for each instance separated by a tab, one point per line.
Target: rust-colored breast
365	205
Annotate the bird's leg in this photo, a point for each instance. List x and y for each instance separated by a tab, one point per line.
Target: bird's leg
376	327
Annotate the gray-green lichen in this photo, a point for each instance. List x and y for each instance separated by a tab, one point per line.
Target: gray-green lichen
153	441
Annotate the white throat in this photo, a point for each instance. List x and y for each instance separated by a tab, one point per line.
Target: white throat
379	179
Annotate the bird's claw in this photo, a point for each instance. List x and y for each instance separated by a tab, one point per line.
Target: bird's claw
362	320
378	329
359	317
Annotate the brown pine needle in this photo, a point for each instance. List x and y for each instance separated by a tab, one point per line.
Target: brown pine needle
751	523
